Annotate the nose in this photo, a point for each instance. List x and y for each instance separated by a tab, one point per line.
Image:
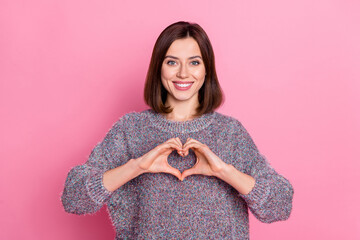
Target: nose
183	72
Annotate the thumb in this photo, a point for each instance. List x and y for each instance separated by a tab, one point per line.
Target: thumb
174	171
188	172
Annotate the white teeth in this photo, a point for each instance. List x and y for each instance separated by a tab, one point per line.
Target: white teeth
183	85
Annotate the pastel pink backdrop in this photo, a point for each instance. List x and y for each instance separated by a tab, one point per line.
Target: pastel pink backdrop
289	70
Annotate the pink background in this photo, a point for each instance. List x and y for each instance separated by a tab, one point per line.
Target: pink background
289	70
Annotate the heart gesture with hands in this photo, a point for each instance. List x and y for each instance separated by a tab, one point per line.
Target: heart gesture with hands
155	160
207	162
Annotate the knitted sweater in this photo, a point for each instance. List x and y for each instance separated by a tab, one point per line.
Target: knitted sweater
159	205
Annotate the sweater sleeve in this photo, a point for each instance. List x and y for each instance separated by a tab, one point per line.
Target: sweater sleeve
271	198
84	192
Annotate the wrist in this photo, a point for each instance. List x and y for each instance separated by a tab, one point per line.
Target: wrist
224	171
135	164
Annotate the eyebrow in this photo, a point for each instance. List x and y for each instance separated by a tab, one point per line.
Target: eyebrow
169	56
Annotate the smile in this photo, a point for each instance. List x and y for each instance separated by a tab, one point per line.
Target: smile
182	85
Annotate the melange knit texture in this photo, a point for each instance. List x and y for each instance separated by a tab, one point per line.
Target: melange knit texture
159	205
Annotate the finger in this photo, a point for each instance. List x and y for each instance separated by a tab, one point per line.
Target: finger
193	145
180	145
173	145
178	141
166	148
174	171
192	139
188	141
175	140
188	172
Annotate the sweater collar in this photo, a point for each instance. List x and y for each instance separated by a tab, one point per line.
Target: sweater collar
159	121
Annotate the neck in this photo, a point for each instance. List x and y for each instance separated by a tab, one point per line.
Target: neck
182	110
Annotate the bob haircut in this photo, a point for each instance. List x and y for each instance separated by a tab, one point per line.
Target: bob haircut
210	94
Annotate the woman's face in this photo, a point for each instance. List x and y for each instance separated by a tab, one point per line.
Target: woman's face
183	70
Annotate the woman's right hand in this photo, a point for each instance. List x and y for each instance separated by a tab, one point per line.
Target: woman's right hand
155	160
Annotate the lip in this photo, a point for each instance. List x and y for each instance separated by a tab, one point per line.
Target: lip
182	88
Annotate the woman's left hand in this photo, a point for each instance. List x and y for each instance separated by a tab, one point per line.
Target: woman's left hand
207	163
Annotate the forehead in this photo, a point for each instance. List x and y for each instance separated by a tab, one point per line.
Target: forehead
184	47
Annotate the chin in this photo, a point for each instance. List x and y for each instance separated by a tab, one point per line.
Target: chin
183	98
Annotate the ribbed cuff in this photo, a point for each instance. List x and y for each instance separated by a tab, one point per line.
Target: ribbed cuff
259	194
96	189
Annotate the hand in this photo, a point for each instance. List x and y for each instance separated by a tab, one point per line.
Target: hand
207	163
155	160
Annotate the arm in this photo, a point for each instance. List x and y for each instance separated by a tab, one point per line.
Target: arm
268	194
84	190
242	182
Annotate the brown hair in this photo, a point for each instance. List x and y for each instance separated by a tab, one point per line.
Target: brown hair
210	94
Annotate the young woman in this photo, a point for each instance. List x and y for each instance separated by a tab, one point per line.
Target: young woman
179	170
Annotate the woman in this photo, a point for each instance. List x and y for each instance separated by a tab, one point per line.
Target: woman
179	169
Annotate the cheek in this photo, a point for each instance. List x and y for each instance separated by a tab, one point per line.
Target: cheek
199	73
165	77
167	73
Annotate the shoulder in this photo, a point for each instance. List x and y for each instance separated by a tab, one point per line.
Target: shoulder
231	123
137	116
236	130
132	118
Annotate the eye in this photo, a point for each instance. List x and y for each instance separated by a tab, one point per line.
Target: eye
170	62
195	62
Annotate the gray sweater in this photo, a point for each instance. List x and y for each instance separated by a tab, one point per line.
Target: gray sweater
159	205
